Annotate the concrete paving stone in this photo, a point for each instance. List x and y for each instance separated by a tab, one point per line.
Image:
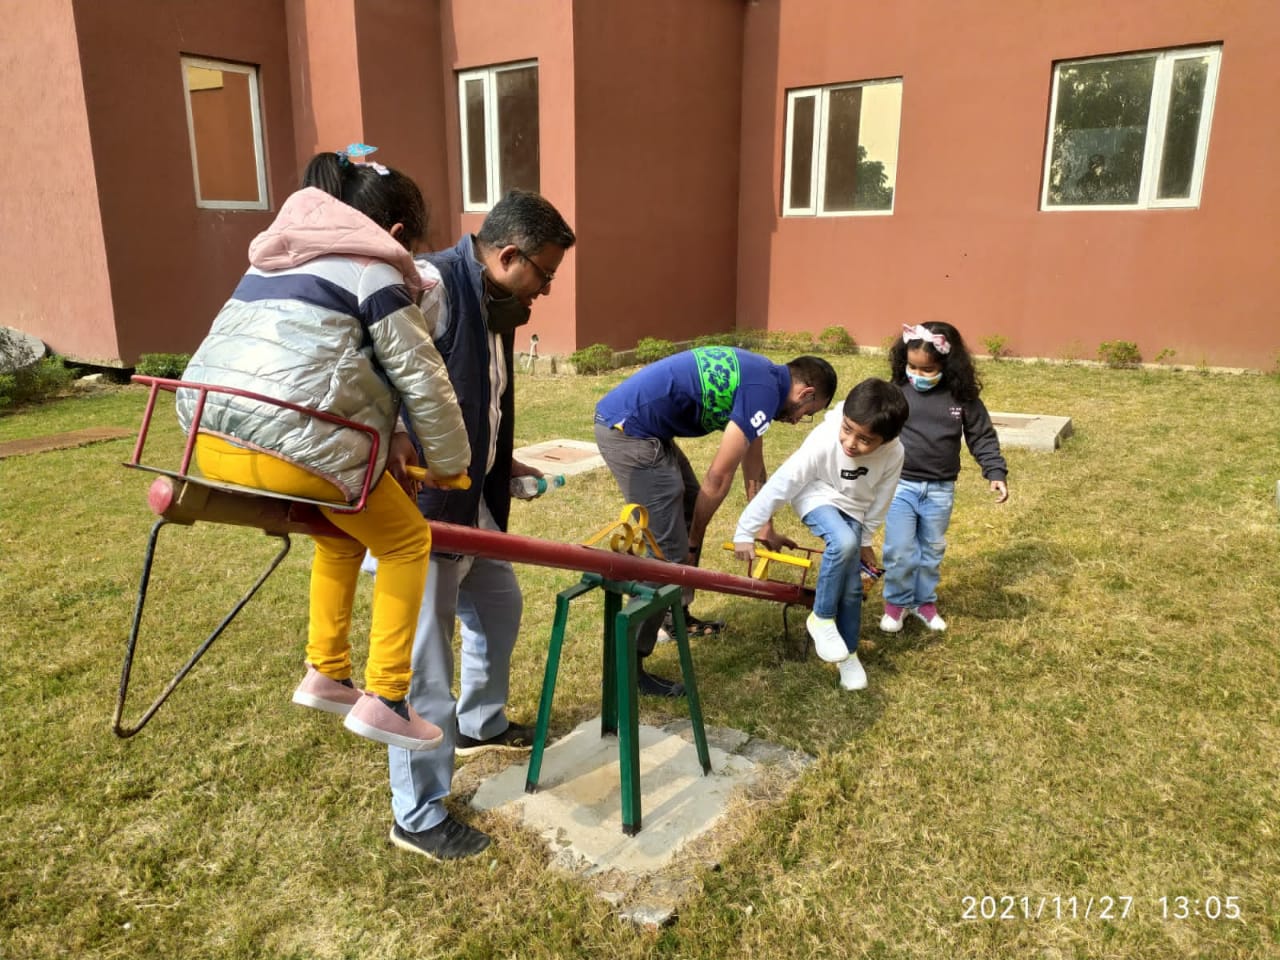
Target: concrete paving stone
1031	431
566	457
687	819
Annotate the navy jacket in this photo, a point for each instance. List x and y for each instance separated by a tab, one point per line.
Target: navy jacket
465	349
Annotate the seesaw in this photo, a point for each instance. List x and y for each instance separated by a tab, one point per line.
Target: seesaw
179	497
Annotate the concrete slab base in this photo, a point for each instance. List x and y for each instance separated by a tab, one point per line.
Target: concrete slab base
561	456
1031	431
687	819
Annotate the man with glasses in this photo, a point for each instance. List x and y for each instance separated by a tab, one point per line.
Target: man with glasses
479	292
692	394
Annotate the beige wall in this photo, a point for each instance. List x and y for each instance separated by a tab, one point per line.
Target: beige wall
657	126
172	265
53	275
504	31
966	241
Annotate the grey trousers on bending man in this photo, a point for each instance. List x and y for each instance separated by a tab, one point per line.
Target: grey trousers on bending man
657	475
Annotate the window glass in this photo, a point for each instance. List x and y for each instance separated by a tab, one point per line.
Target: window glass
1130	131
801	194
477	147
225	134
499	114
518	129
1182	127
1100	133
853	131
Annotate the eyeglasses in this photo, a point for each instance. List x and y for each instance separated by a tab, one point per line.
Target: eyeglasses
547	276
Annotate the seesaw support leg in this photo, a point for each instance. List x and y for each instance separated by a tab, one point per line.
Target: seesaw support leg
117	726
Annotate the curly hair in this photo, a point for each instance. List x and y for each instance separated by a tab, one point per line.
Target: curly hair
958	373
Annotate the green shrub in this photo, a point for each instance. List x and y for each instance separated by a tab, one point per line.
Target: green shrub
837	340
1119	353
596	358
1165	355
650	349
997	346
34	383
744	339
167	365
788	341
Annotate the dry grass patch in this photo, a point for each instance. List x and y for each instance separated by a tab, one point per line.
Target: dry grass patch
1100	719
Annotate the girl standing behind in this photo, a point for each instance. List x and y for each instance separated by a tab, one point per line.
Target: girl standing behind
327	317
936	374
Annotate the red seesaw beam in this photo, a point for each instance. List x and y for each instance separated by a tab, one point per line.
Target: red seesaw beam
187	501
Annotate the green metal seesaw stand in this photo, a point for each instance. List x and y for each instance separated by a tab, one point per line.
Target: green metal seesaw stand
619	713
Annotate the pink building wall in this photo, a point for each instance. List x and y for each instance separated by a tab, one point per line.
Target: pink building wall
53	276
661	130
507	31
657	131
967	241
171	263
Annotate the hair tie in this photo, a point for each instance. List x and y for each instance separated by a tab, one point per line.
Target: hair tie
921	332
343	161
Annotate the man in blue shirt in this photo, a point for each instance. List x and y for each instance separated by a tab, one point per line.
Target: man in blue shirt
692	394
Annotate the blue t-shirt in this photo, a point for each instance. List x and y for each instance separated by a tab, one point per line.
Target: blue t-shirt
697	392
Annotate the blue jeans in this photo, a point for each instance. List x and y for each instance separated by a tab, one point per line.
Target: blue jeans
915	538
839	590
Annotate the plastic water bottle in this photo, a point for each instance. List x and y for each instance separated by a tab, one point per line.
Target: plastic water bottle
530	488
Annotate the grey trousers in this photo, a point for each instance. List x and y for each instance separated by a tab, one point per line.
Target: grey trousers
657	475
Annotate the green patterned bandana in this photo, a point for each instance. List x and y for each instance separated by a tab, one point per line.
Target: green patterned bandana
719	376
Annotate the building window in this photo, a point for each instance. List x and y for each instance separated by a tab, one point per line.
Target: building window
1130	132
841	149
498	110
224	121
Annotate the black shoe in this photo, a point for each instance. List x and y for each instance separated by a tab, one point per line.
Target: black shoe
449	839
517	737
652	686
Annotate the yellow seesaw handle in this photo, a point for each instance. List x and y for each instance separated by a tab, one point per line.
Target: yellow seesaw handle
459	482
764	555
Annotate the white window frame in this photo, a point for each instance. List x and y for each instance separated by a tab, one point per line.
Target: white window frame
1153	153
488	78
255	109
818	162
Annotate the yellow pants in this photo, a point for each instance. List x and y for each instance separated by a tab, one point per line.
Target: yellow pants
393	530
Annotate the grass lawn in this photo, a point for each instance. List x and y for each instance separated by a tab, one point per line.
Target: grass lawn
1098	730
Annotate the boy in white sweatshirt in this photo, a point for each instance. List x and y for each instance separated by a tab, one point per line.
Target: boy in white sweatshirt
840	483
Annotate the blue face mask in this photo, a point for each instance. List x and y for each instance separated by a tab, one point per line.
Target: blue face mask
924	384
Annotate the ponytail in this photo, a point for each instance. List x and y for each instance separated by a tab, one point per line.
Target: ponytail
384	195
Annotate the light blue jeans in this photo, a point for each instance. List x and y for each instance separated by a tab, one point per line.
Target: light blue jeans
484	597
838	593
915	538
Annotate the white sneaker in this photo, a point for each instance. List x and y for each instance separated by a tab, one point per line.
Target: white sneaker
927	613
852	676
826	638
891	622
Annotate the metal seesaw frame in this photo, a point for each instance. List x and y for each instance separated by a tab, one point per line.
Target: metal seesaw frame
178	497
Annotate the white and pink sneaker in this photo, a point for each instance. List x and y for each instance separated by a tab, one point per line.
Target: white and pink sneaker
927	613
891	622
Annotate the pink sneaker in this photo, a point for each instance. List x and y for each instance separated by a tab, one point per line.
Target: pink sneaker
323	693
928	614
891	622
374	720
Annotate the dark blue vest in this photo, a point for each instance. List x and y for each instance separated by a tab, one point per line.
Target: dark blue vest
465	349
